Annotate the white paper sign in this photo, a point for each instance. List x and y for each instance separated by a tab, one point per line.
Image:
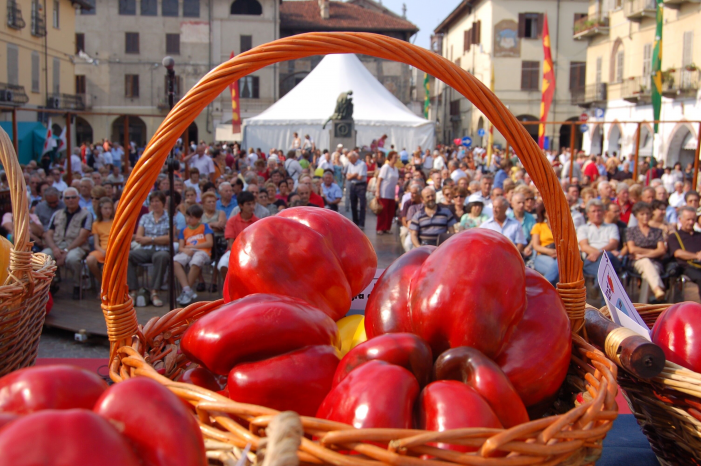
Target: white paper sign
622	310
359	302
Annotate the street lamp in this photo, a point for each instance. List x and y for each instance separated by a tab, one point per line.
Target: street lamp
172	165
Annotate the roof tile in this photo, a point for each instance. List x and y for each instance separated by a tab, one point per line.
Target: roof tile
305	16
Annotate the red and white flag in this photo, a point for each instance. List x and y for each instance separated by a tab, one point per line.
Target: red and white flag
62	142
49	140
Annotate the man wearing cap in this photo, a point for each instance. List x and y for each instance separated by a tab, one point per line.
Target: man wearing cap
508	227
356	174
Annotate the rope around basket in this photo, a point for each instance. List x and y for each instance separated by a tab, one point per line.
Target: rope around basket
216	81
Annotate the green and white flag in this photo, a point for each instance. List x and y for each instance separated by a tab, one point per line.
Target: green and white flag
427	98
657	67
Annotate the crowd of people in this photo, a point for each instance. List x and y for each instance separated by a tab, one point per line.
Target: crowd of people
648	226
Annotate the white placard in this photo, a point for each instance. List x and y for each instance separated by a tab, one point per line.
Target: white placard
622	310
359	302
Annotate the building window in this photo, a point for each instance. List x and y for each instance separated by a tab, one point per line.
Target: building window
598	70
80	84
577	75
472	36
131	85
57	75
127	7
647	60
12	64
248	87
149	8
246	43
169	8
79	42
246	7
131	42
191	8
57	7
529	75
530	25
617	4
35	71
619	67
173	44
455	107
88	11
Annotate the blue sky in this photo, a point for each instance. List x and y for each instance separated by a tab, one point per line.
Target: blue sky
426	14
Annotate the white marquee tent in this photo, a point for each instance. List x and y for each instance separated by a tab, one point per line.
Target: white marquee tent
309	104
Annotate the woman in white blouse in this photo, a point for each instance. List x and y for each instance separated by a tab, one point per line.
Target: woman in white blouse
385	193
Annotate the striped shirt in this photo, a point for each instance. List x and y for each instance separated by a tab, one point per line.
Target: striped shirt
430	228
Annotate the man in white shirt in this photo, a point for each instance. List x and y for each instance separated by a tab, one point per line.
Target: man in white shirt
455	172
438	161
507	226
117	155
596	238
676	199
202	162
324	162
58	183
357	174
76	163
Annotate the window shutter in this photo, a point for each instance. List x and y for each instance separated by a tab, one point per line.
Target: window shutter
466	40
540	25
522	25
687	48
255	86
478	33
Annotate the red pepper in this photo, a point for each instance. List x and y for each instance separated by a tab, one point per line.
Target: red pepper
447	404
387	309
202	378
49	387
64	438
473	368
160	429
678	332
353	249
538	353
402	349
254	328
375	394
6	418
470	292
296	381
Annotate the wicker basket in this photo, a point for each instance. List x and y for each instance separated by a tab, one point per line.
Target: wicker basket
24	294
662	405
573	437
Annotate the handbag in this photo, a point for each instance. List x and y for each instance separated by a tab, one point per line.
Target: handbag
375	206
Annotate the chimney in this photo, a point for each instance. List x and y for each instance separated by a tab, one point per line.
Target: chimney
324	9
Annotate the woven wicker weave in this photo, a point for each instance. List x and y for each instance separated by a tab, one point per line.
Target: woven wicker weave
571	438
662	405
24	294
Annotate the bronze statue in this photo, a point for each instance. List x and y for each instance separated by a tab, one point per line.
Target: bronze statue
344	108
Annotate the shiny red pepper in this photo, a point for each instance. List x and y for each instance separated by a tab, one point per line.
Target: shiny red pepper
49	387
473	368
387	309
253	328
353	249
678	332
202	378
6	418
402	349
448	404
537	355
471	291
296	381
160	429
64	438
375	394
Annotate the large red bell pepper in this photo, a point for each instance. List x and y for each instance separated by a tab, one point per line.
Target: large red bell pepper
285	256
353	249
448	404
678	332
64	438
375	394
6	418
202	378
402	349
387	309
159	427
49	387
537	355
473	368
254	328
471	291
296	381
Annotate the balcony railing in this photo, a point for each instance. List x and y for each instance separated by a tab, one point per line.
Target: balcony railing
14	15
588	95
677	3
38	20
634	89
12	94
683	82
590	26
636	10
66	101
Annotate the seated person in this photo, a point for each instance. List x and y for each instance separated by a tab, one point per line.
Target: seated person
646	247
685	245
36	230
216	219
195	248
544	246
431	221
101	233
508	227
596	238
236	224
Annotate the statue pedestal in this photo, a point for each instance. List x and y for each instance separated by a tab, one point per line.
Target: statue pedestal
342	132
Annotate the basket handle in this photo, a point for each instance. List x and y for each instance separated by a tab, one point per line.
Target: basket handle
21	255
116	305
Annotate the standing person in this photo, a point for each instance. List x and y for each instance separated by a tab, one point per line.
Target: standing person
195	247
646	245
371	166
356	174
330	191
386	187
337	169
101	234
296	142
202	162
292	166
117	155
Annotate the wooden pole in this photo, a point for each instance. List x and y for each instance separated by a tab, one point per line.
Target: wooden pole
126	144
15	133
573	128
637	152
696	159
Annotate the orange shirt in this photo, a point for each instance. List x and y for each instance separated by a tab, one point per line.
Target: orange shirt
236	224
193	236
